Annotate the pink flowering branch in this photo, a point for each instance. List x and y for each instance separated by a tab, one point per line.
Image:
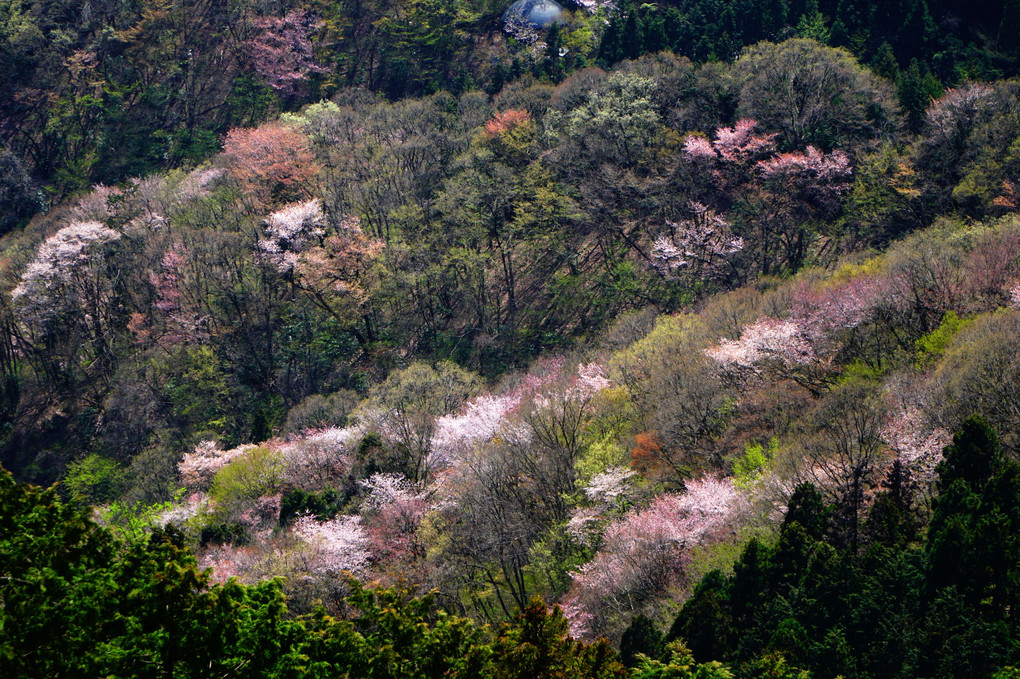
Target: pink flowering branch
732	144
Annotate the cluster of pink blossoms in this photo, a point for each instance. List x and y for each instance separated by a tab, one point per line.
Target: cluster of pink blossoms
915	441
731	144
483	417
646	551
198	467
334	546
281	49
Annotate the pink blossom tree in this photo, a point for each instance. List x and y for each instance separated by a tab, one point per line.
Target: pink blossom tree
335	546
846	305
173	319
280	49
783	348
65	276
334	273
915	441
773	199
645	554
198	467
65	304
737	144
394	510
320	458
767	340
479	421
100	204
289	230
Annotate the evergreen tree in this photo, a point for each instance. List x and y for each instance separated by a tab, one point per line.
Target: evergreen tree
640	637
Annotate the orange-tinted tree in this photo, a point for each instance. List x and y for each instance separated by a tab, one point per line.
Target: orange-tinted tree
272	164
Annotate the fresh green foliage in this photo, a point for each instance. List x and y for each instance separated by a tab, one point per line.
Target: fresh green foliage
257	472
77	602
932	346
93	480
748	468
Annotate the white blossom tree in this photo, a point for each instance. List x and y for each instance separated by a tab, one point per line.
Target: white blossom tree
65	303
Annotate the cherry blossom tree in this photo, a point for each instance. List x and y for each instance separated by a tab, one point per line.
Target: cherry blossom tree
772	198
506	121
66	276
199	183
334	547
320	458
845	305
173	319
767	340
456	434
289	229
645	553
335	273
698	245
949	117
487	415
593	6
263	515
100	204
198	467
394	511
280	49
511	478
915	441
775	347
737	144
609	486
65	305
820	176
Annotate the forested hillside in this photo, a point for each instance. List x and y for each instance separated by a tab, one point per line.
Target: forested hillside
361	335
99	92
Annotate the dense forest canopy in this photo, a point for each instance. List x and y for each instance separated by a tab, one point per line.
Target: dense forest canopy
100	92
409	339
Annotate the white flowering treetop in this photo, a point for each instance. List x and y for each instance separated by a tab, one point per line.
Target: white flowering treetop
63	276
698	245
289	229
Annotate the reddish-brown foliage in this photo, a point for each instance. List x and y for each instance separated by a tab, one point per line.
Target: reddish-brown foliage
506	121
273	164
646	452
